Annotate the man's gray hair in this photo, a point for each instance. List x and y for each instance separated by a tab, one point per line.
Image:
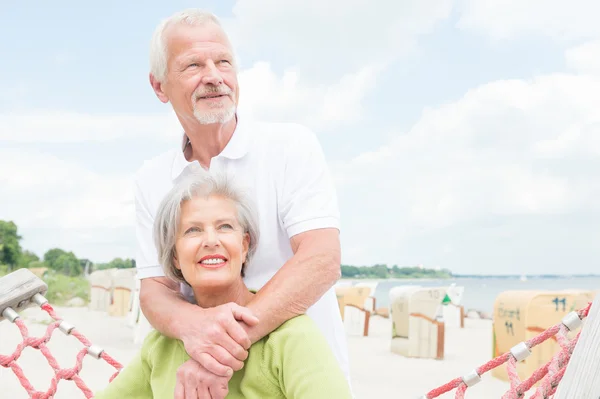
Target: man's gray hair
158	44
194	185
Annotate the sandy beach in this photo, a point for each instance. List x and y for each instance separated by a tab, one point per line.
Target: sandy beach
376	372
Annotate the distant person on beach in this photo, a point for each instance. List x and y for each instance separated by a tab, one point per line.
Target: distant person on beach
297	261
206	232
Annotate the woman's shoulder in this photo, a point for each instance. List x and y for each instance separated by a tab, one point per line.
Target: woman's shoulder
299	326
302	321
156	343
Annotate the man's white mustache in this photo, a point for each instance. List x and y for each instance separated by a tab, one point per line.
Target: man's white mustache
212	93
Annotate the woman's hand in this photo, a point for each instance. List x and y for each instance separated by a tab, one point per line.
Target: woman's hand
195	382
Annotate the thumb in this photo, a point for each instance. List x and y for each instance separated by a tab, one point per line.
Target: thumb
241	313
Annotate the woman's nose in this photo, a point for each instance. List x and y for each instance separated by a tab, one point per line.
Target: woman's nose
211	239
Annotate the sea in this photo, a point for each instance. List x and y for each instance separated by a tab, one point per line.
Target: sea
481	292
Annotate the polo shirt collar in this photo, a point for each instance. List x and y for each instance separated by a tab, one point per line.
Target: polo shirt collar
236	148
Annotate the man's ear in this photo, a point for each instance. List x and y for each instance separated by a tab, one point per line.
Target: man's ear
158	89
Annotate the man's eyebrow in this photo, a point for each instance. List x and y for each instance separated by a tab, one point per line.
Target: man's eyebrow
223	54
188	58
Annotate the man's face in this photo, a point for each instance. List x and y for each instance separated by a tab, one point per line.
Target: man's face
201	81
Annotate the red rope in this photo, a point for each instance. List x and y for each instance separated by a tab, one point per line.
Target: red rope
71	374
550	374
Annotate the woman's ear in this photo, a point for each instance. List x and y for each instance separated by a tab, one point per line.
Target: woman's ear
246	246
176	261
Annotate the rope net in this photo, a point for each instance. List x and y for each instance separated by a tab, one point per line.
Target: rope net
69	374
548	375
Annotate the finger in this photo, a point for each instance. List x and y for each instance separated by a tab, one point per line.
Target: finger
233	348
202	392
191	388
218	391
237	332
221	355
211	365
244	314
179	390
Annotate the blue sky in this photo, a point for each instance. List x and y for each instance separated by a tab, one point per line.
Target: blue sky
472	123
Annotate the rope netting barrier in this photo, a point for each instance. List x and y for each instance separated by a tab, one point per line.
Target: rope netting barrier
69	374
548	375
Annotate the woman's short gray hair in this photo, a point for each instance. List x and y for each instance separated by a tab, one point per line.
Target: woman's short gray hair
194	185
158	44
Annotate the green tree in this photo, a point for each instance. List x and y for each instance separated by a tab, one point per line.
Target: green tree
27	257
118	263
52	255
379	271
63	262
68	264
10	248
350	271
86	263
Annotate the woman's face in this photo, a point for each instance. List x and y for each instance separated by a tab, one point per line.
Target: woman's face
211	245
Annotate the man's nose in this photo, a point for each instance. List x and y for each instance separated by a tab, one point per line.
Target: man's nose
212	75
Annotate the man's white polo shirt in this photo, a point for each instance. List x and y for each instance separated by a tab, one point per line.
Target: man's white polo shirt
283	168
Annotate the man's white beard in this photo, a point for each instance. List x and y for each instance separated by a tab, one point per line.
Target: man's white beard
221	116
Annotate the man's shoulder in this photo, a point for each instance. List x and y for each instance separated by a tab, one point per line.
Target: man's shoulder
154	167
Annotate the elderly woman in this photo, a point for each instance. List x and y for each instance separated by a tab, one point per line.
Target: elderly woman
205	232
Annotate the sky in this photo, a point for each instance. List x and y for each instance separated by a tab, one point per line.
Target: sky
462	134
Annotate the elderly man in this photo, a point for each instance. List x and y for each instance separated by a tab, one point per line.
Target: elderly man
282	165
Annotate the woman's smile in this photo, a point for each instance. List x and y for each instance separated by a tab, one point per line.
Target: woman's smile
213	261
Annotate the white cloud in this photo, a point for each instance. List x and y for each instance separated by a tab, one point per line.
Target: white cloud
58	126
40	191
585	58
506	148
333	35
267	96
264	95
512	18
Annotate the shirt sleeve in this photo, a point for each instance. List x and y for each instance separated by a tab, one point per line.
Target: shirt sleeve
308	198
133	382
303	364
147	263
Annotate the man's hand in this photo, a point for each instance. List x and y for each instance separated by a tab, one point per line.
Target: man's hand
195	382
217	340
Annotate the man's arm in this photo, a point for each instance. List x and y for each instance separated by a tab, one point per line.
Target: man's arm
158	297
210	336
301	281
308	211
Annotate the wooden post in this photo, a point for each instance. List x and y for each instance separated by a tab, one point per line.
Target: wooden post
17	289
582	379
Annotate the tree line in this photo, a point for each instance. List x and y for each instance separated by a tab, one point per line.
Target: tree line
65	262
383	271
13	256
